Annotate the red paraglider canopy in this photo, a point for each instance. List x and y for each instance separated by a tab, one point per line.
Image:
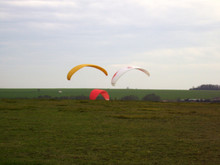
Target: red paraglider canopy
95	92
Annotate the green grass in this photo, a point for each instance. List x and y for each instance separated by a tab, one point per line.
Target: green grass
54	132
171	95
165	94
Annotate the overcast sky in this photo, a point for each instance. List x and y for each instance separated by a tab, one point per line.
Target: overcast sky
177	41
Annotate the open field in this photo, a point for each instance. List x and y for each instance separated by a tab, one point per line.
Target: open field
49	131
171	95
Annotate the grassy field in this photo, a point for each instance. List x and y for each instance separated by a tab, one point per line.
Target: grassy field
171	95
42	131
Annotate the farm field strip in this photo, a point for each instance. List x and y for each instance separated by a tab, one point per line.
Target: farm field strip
114	93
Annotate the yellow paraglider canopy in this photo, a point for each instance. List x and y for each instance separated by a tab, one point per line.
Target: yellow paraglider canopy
76	68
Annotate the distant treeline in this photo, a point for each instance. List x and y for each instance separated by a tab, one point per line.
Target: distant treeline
206	87
149	97
81	97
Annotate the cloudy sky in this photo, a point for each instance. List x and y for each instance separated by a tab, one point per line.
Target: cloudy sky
177	41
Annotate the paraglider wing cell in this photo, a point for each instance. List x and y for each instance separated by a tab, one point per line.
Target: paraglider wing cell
95	92
76	68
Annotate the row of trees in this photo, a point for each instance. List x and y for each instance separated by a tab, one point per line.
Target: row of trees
206	87
81	97
150	97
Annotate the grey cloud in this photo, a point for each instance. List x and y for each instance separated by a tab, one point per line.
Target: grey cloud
153	32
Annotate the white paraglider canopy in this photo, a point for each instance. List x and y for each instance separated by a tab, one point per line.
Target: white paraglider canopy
122	71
